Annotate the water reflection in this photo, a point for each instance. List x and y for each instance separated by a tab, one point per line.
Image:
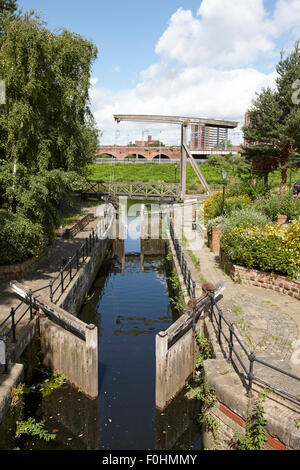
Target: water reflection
129	302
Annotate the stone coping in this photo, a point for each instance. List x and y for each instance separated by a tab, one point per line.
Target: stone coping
16	271
281	284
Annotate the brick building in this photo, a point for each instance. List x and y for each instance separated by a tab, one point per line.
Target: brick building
207	137
141	143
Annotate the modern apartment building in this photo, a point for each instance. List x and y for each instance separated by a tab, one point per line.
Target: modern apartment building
207	137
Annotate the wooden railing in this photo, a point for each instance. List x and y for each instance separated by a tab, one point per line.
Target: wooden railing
132	189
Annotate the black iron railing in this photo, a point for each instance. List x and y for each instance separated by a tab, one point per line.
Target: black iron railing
57	286
225	330
15	316
186	273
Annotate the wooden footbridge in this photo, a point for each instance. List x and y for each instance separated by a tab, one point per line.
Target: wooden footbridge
160	191
133	190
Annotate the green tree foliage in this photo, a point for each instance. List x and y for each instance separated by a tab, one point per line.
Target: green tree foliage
8	9
46	122
47	130
273	135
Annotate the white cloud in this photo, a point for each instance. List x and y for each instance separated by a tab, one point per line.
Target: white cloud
117	68
206	67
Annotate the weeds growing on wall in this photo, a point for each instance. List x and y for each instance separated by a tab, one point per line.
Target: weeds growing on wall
177	298
204	349
255	437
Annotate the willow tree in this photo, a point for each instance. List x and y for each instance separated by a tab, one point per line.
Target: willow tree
46	123
8	10
273	136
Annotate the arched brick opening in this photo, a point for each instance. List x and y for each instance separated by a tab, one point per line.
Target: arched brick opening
106	155
134	156
161	156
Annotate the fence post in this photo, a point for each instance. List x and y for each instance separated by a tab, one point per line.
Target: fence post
70	267
250	375
62	281
219	328
13	326
194	289
231	329
51	290
30	303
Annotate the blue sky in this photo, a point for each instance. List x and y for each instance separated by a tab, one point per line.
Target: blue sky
125	32
186	57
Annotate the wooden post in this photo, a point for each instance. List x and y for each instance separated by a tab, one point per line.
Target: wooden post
183	162
161	350
91	338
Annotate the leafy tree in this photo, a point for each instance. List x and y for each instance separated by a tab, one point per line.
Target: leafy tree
46	122
273	135
47	131
8	9
223	145
157	144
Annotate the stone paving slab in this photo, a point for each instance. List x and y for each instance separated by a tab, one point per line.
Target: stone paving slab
267	322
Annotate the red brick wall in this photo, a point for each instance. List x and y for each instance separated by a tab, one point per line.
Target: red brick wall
280	284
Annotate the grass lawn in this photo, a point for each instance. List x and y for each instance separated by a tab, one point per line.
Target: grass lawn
165	172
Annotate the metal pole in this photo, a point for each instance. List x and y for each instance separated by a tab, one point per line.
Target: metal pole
231	329
30	303
223	200
250	375
13	326
62	281
70	267
51	290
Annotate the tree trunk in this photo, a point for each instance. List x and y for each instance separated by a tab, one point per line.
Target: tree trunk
286	155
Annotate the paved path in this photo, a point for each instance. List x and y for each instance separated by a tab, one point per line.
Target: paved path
44	270
268	322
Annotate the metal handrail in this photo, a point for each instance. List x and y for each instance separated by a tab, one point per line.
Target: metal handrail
188	280
78	259
249	372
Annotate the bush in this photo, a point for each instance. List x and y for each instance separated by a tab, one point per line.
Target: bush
245	216
272	248
213	223
19	238
281	204
213	204
235	202
247	188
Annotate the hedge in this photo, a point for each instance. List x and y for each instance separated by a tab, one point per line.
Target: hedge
272	248
20	239
213	204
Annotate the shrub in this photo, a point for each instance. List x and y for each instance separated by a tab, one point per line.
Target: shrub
213	204
235	202
272	248
247	188
281	204
245	216
19	238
